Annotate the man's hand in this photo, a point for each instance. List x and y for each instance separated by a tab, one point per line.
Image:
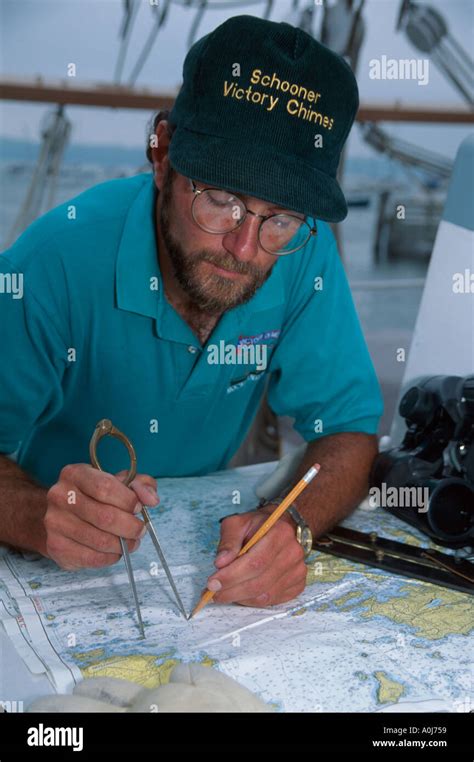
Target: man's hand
271	572
89	510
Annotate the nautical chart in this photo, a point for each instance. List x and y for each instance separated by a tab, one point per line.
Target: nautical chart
358	639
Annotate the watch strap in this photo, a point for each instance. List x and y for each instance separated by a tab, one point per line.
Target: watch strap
303	532
296	516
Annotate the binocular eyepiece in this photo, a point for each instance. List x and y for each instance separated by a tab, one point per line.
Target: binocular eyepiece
428	480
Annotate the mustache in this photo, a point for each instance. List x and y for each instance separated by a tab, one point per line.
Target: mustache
228	262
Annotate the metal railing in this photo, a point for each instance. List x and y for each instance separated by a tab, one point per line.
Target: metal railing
376	285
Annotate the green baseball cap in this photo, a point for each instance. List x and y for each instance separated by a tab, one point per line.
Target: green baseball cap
264	110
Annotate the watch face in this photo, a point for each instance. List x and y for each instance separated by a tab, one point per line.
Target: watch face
305	539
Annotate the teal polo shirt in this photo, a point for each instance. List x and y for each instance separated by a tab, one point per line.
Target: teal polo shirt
93	336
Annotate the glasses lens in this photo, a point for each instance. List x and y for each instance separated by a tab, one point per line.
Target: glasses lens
217	211
283	234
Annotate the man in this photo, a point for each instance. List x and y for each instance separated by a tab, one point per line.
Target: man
143	298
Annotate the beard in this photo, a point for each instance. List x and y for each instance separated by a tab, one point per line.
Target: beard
208	291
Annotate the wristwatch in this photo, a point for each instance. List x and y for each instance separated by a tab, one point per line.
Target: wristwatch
303	533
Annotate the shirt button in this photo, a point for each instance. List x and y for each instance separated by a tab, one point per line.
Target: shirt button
192	349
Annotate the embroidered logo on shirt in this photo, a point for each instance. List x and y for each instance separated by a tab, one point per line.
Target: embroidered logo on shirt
265	336
241	382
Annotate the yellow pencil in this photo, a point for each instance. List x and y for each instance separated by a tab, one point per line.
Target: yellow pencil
267	525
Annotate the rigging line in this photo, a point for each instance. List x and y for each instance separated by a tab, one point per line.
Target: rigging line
128	8
197	20
268	9
55	130
451	59
218	5
159	21
462	53
440	59
126	33
62	139
355	23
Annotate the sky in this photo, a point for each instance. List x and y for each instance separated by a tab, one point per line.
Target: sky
41	37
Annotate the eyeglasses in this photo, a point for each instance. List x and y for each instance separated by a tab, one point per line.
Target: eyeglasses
218	211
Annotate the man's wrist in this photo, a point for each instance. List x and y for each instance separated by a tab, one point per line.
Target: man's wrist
303	532
270	506
25	509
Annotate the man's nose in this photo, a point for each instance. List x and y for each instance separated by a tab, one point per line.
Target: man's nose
243	241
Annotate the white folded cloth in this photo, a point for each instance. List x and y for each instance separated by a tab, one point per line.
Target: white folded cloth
191	688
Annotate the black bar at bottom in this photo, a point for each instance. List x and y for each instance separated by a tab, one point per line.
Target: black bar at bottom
97	736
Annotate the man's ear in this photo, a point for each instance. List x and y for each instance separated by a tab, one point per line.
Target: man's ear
159	152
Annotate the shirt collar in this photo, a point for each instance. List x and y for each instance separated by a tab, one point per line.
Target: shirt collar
137	260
